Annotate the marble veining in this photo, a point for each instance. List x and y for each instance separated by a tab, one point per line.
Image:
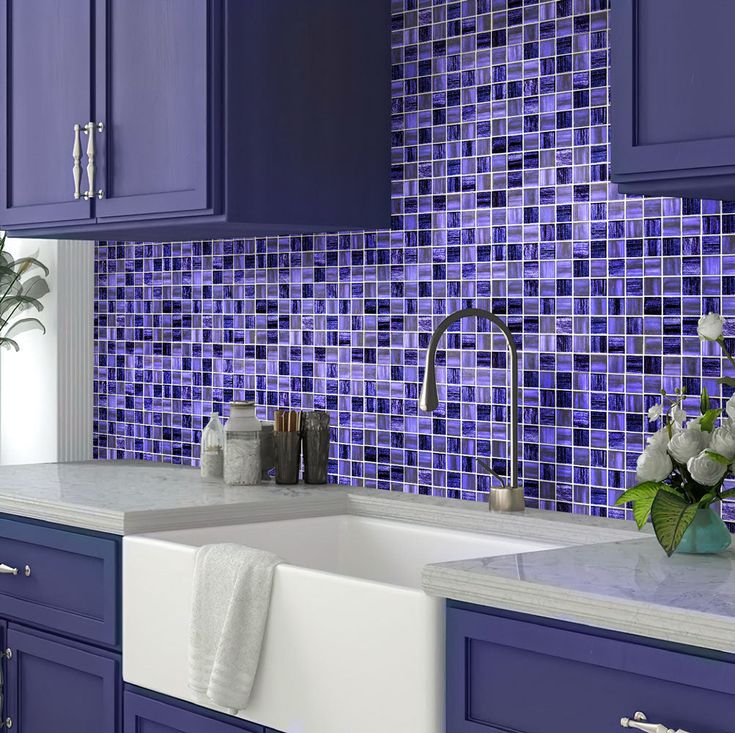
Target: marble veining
624	586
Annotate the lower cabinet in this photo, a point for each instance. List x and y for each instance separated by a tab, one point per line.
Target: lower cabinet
60	686
517	674
152	713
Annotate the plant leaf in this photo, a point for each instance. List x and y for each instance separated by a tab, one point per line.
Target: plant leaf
706	500
718	457
22	301
27	264
727	494
704	401
23	325
727	381
35	287
708	420
671	516
642	497
8	344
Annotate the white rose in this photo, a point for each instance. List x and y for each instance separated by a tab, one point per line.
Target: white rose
706	470
660	439
653	465
655	412
730	407
723	442
710	326
678	414
687	444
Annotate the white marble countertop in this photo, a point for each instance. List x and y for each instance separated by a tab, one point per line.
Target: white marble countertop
628	586
607	575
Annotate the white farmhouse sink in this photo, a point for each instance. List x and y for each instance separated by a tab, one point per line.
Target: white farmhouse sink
352	643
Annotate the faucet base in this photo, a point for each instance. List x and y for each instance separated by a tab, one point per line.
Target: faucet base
507	499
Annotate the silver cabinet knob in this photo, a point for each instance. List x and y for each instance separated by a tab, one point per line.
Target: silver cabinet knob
7	570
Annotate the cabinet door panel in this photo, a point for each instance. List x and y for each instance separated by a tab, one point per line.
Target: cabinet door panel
153	96
54	686
577	682
45	90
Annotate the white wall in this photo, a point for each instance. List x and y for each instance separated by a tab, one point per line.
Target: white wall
46	387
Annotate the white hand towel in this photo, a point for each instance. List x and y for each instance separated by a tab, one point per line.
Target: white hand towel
232	591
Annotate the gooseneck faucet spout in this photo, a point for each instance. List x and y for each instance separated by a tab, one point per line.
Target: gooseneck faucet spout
505	498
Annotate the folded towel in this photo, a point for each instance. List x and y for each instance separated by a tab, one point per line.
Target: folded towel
232	591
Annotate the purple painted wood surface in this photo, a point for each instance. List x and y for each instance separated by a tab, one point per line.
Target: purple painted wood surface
152	91
672	128
45	89
153	713
506	675
55	686
74	583
273	116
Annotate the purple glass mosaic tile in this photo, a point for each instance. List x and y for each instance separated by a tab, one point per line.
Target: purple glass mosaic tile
500	199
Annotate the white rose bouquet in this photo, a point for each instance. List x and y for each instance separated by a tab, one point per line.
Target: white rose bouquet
687	460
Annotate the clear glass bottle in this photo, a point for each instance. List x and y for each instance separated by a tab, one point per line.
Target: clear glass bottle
212	453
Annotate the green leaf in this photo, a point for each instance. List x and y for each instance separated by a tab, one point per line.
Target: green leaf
718	457
727	494
23	325
22	302
727	381
706	500
35	287
6	343
708	420
642	497
671	515
28	263
704	401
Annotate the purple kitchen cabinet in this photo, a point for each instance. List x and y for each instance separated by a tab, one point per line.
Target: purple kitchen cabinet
672	120
152	713
44	92
60	686
213	118
71	584
518	674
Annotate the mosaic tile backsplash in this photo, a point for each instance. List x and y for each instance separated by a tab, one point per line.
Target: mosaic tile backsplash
500	199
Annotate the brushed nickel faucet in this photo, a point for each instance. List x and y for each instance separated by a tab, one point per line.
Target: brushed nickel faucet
503	498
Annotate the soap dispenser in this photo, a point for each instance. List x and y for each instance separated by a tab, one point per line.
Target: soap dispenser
213	448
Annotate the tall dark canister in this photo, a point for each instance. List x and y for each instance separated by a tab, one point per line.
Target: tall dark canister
315	435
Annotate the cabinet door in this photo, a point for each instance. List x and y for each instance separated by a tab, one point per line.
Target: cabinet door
507	675
144	714
672	127
153	66
45	90
61	687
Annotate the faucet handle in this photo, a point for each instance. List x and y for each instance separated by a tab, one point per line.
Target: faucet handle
487	468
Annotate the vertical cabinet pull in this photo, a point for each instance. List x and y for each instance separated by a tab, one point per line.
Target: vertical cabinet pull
89	129
77	157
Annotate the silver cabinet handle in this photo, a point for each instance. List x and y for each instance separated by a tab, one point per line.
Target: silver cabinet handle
639	722
89	129
77	157
7	570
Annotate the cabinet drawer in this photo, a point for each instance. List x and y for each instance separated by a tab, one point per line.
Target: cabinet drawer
73	583
144	714
514	676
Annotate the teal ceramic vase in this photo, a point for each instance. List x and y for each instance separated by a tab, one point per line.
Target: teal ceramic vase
706	535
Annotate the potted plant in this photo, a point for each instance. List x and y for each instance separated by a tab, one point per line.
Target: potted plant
681	472
19	291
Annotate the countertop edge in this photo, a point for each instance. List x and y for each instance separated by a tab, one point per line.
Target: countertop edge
639	618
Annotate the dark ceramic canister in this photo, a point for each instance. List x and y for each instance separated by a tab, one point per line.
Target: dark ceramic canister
288	456
315	432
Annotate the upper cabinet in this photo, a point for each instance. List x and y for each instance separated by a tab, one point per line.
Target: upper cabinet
169	119
673	115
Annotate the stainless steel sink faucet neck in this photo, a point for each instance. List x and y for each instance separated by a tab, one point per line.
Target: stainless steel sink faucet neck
502	498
